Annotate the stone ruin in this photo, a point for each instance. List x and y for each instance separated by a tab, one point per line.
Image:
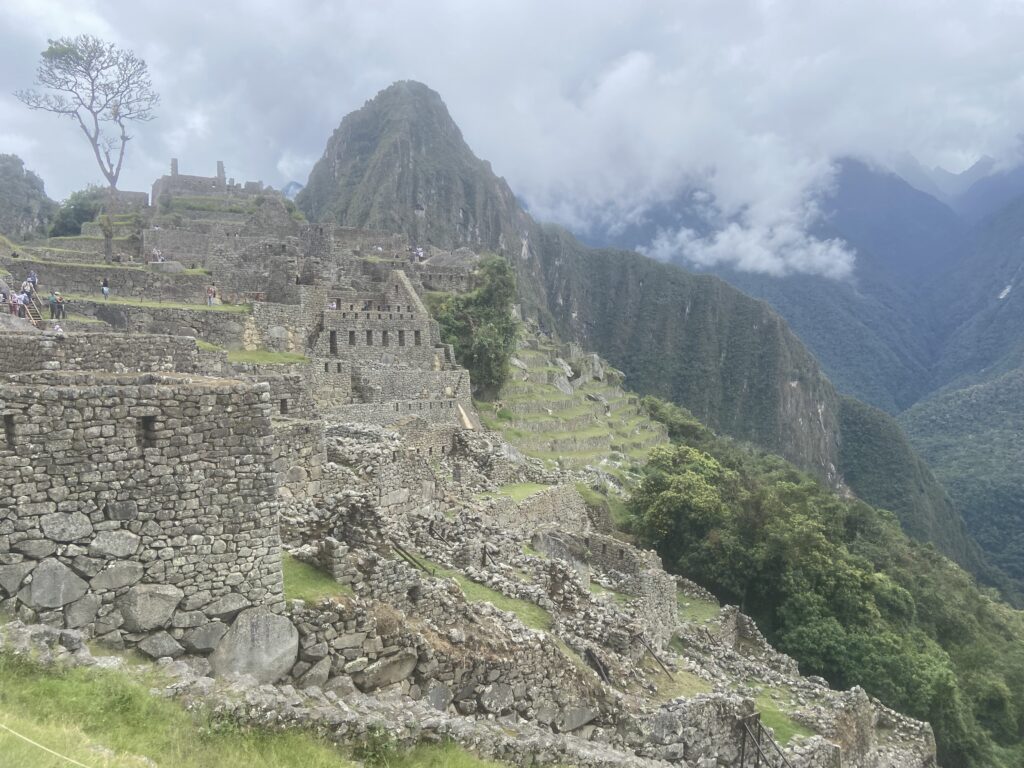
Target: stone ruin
150	488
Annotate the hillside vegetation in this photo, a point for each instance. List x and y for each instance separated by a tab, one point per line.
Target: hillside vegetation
973	438
838	586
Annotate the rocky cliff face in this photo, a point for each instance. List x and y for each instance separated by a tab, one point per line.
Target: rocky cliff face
25	210
400	163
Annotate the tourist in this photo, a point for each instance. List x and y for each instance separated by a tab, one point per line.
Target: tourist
209	295
62	307
105	288
52	301
33	278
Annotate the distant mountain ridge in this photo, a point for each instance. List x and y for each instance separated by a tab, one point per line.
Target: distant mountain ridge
400	163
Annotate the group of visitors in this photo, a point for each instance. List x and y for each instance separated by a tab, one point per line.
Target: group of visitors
19	302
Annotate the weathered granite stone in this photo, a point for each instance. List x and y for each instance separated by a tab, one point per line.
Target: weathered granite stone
386	671
227	607
82	612
316	675
575	717
122	510
117	575
149	606
440	696
36	548
340	685
259	643
11	576
53	585
65	526
159	645
114	544
205	638
497	698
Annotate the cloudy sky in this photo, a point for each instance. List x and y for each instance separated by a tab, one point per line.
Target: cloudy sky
592	110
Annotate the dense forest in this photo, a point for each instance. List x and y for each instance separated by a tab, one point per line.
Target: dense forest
836	584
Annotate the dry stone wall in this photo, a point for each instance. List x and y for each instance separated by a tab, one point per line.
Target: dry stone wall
137	507
223	328
112	352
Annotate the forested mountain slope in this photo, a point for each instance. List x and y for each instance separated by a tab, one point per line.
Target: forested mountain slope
401	163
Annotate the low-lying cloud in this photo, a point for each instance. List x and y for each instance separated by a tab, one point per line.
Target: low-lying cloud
594	112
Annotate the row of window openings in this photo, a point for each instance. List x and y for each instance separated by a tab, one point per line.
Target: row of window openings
380	315
367	306
385	339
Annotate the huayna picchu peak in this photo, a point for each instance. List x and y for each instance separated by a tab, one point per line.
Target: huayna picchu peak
688	443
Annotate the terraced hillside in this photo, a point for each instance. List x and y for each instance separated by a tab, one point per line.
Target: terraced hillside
569	409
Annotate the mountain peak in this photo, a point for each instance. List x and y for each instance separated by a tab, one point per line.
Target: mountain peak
400	164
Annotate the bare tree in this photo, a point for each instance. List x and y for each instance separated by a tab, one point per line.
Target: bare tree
101	87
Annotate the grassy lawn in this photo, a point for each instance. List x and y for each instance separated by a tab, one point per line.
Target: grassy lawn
133	302
530	614
75	712
682	684
42	263
264	356
785	727
516	491
106	719
307	582
73	317
694	609
619	597
207	346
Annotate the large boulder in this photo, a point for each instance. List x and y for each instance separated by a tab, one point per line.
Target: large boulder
386	671
65	526
159	645
12	575
149	606
53	585
114	544
117	575
259	643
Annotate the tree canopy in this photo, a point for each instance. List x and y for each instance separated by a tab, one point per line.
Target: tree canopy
837	585
99	86
480	327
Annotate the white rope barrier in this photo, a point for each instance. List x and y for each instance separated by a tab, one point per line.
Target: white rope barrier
45	749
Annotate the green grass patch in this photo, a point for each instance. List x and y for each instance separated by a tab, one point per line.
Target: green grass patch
694	609
683	683
516	491
530	614
133	302
196	271
210	204
303	581
446	755
776	718
619	597
264	356
207	346
43	263
74	711
75	317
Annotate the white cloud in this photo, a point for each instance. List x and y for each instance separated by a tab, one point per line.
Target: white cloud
593	111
